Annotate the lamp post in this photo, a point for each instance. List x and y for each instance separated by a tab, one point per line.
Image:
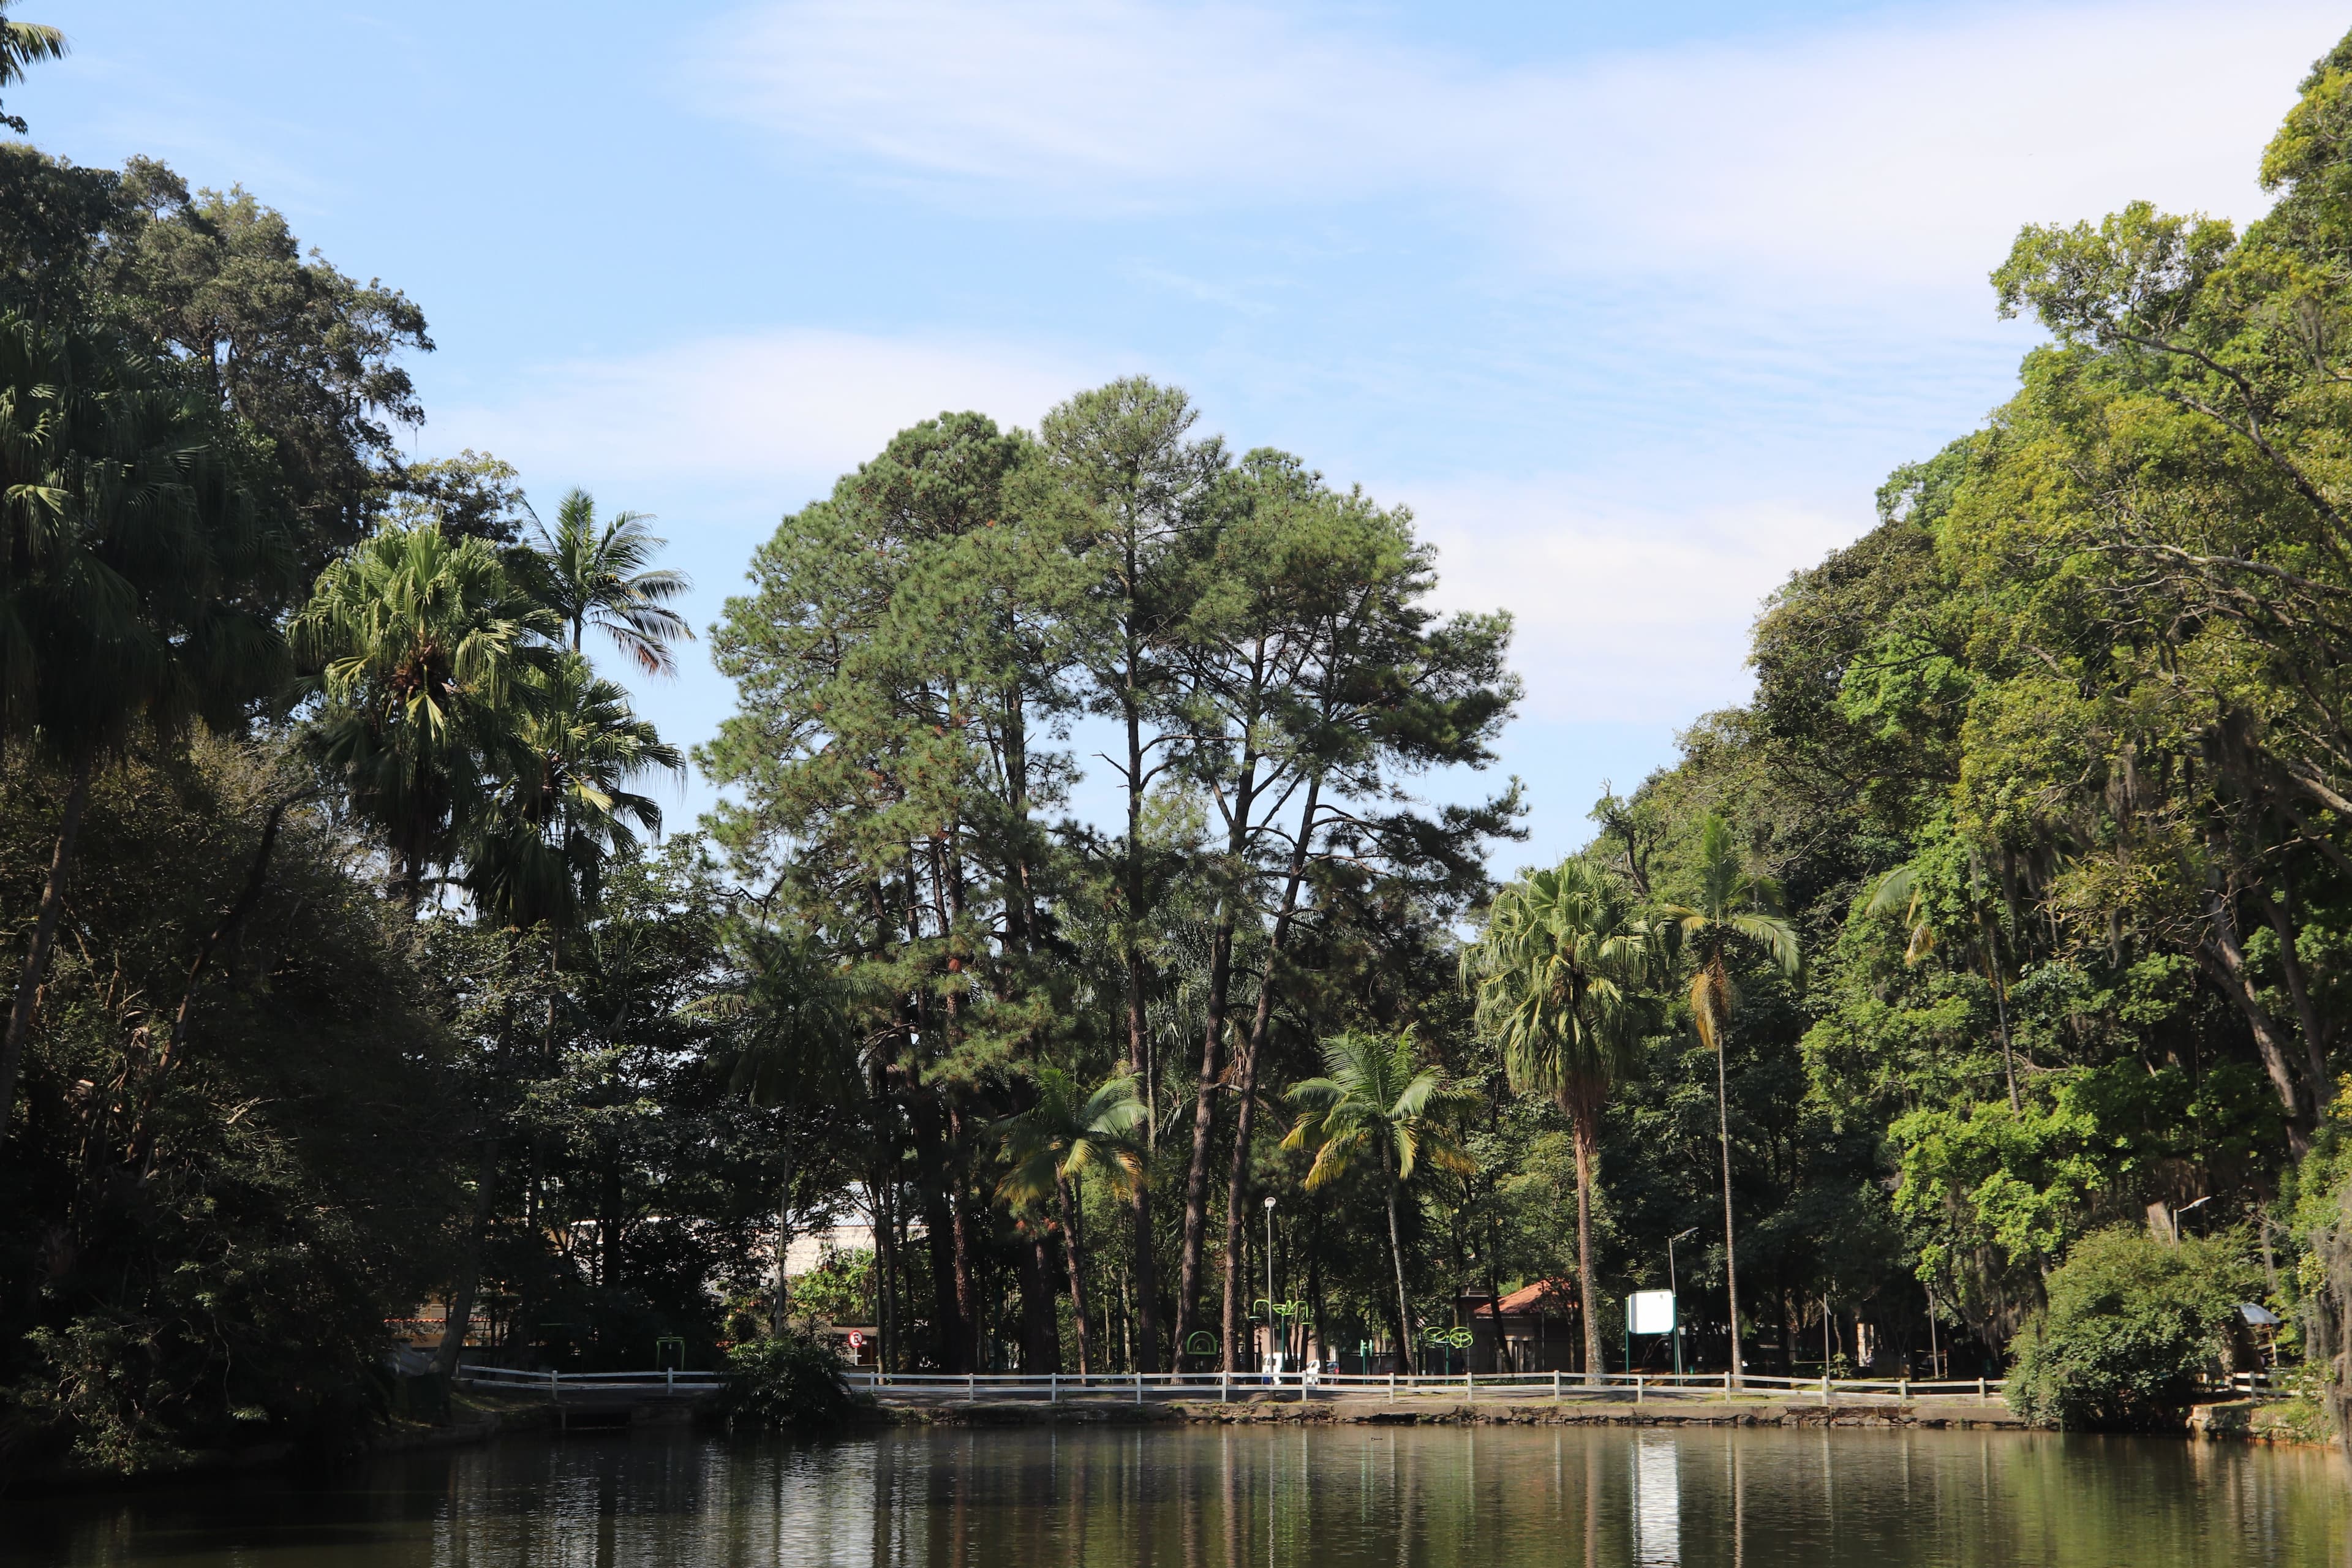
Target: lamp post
2173	1215
1674	1289
1272	1366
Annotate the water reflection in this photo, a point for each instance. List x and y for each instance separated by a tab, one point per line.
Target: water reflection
1657	1503
1248	1497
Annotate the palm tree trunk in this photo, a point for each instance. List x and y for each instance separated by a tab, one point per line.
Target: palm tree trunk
1586	1119
1396	1258
45	935
1730	1264
1075	1247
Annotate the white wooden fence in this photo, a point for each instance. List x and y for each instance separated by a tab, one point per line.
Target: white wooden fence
1556	1386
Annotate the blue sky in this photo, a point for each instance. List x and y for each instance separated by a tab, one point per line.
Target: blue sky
1633	305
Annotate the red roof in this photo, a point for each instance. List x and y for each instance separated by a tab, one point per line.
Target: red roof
1528	1299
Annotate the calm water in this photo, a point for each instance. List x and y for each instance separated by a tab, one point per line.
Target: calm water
1249	1498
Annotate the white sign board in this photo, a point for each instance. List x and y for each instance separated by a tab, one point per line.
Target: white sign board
1651	1311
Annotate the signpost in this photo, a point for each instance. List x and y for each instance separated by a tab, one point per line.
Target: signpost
1649	1312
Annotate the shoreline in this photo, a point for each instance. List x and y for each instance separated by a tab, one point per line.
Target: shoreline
2270	1424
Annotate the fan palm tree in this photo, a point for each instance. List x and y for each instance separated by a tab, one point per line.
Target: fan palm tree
1558	974
21	44
1374	1101
597	574
1069	1132
421	647
1734	905
135	574
560	808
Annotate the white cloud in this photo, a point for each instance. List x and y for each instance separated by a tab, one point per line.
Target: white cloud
763	409
1909	150
1623	613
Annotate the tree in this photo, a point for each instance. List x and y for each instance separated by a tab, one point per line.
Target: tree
21	44
131	564
1052	1147
1375	1100
420	650
1558	975
304	359
598	574
1733	904
1130	489
560	806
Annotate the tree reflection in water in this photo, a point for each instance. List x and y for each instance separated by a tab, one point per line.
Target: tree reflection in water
1245	1498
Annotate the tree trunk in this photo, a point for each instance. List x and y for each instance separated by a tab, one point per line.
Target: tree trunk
1252	1053
2225	961
779	1305
1212	1036
1040	1335
45	935
1404	1308
1730	1263
1147	1279
459	1317
1074	1249
1585	1117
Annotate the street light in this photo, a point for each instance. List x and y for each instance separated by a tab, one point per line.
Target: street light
2176	1213
1674	1290
1273	1366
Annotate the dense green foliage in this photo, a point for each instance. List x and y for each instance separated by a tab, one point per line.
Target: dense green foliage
353	982
789	1381
2132	1321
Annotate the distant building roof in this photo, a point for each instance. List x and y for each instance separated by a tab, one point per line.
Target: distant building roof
1528	1298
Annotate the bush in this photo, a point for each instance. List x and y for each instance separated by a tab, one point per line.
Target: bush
2131	1322
792	1381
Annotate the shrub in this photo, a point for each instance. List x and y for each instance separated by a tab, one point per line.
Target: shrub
2131	1320
790	1381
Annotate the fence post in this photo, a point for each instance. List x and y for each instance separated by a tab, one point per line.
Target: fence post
1470	1381
554	1383
1726	1383
1224	1386
1825	1386
1052	1388
1984	1396
669	1380
1392	1388
1139	1386
1555	1385
1639	1382
1902	1389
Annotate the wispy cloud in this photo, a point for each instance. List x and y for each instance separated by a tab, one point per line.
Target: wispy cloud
1893	149
765	410
1623	613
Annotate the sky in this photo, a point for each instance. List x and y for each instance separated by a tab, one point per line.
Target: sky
1634	306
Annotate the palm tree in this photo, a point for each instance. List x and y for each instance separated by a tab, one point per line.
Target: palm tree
597	575
1052	1146
421	647
1556	976
22	43
1734	905
560	808
1374	1101
135	576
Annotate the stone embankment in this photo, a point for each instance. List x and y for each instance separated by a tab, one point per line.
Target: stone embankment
1427	1411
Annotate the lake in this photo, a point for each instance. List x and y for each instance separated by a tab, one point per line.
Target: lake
1250	1496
